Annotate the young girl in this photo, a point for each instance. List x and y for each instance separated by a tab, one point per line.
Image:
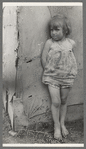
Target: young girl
60	70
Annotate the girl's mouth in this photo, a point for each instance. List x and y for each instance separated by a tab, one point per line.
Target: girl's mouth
55	37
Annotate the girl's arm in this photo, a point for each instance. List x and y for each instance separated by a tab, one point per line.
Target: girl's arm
45	52
74	47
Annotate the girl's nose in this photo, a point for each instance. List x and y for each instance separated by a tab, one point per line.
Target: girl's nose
54	31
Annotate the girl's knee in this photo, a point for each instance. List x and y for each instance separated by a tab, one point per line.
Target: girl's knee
64	94
63	100
56	104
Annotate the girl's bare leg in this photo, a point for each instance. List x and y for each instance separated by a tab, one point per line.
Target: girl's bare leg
55	108
64	94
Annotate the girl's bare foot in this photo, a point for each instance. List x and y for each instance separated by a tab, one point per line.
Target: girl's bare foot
57	134
64	131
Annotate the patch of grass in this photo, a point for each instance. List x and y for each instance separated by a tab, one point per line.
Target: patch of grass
42	133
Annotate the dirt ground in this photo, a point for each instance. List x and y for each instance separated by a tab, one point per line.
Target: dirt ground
44	134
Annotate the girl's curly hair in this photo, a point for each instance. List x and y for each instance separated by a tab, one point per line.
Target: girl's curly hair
63	21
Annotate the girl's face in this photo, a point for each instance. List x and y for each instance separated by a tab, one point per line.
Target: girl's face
56	31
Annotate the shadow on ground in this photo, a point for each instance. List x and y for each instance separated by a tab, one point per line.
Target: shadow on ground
42	133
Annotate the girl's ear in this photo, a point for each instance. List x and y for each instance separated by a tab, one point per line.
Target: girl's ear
49	25
68	25
68	30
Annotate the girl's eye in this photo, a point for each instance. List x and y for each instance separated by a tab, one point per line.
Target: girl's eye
57	29
54	29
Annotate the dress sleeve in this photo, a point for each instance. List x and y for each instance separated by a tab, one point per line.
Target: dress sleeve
73	45
45	52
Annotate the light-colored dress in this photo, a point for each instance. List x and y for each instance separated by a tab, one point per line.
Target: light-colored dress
61	66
